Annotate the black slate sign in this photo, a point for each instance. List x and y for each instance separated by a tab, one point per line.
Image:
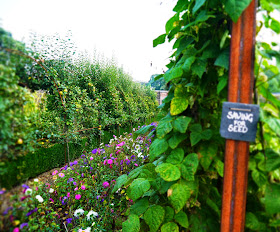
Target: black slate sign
239	121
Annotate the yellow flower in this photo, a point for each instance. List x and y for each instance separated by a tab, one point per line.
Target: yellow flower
16	222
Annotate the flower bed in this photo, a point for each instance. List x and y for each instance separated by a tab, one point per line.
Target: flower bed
80	197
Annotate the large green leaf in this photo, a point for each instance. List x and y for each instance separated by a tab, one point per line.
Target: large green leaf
140	206
181	123
252	222
173	73
176	139
178	105
168	172
154	216
157	147
259	178
273	160
169	214
159	40
223	59
235	8
188	63
176	156
170	23
179	194
274	124
120	182
219	166
182	219
169	227
138	188
195	138
189	166
181	4
272	199
207	153
198	4
132	224
163	128
199	67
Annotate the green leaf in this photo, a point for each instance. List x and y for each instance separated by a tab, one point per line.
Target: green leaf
178	105
219	166
120	182
182	44
176	139
198	4
272	199
154	216
176	156
132	224
157	147
223	59
182	219
273	160
196	128
170	23
207	154
169	214
163	128
222	83
252	221
275	26
274	124
173	73
140	206
143	130
207	134
159	40
181	124
179	194
168	172
235	8
138	188
199	67
181	4
259	178
195	138
189	166
188	63
169	227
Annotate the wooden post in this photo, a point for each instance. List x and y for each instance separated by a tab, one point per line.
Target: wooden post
240	89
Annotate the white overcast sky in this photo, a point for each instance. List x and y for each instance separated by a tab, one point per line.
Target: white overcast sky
124	29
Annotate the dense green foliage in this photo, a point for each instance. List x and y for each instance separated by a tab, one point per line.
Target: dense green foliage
82	96
180	188
159	84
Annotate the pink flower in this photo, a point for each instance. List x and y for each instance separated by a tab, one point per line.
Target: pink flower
110	161
83	187
120	144
106	184
91	158
118	151
105	162
68	194
55	172
75	189
78	197
136	164
16	229
51	200
61	174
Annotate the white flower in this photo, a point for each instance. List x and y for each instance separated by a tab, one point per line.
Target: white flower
51	190
39	198
112	204
95	214
137	147
28	191
36	180
140	155
86	230
78	212
93	224
111	140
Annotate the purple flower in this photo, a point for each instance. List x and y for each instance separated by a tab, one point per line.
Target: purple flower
133	156
69	220
82	175
98	197
25	186
121	163
65	167
82	156
94	151
107	145
7	210
64	201
70	180
2	192
75	162
23	225
74	183
106	184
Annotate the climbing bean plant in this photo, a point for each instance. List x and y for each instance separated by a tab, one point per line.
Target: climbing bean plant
180	188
